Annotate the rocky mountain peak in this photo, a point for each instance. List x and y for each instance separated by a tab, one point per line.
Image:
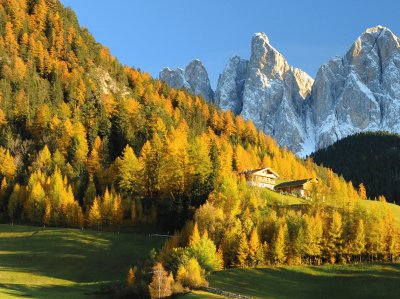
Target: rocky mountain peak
197	77
377	41
376	29
361	90
194	78
229	93
274	94
266	58
174	78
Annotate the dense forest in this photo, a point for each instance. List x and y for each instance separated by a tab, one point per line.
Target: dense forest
87	142
372	159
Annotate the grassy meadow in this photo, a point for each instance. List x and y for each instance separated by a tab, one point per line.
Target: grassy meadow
337	281
277	198
66	263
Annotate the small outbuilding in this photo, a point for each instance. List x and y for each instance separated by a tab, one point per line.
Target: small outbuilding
261	177
300	188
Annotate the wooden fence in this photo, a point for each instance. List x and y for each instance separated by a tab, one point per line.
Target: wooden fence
224	293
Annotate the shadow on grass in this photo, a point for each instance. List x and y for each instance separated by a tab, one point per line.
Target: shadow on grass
36	257
355	281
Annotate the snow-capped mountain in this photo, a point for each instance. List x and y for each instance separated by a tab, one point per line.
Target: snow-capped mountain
194	78
265	89
357	92
274	94
229	93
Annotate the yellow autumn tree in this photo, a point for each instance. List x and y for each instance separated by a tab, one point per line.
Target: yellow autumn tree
161	283
128	171
7	164
94	217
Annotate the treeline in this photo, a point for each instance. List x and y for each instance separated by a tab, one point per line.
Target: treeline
237	227
258	234
369	158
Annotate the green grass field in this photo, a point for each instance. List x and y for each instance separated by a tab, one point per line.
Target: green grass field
338	281
65	263
201	295
394	208
273	197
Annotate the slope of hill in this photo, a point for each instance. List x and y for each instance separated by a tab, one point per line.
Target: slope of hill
369	158
66	263
339	281
86	141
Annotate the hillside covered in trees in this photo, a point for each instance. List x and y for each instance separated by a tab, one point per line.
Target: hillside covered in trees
372	159
87	142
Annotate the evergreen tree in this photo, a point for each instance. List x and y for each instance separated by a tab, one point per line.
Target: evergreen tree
94	218
254	249
128	171
195	236
334	238
243	251
359	239
279	245
117	211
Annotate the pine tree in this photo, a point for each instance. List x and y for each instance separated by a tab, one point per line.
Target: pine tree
117	211
106	208
35	205
254	249
195	236
362	192
7	164
279	245
334	240
15	202
132	275
94	218
243	251
128	171
359	242
312	237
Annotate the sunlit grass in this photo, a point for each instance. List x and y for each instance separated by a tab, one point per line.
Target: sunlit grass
336	281
276	198
394	208
65	263
202	295
273	197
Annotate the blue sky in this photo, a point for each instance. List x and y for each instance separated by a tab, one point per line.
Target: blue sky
151	34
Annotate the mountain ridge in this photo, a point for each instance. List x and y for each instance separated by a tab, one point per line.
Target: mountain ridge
305	114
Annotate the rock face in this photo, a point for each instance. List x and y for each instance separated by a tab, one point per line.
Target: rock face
360	91
229	93
174	78
357	92
274	94
194	78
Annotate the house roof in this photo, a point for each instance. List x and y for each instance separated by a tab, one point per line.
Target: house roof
293	183
251	171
